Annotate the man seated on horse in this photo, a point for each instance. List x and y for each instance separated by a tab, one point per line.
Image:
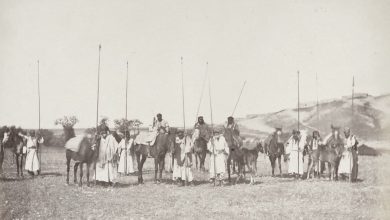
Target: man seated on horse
204	129
233	126
349	160
160	125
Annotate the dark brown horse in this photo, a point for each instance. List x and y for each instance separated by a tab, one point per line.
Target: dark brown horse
236	154
161	146
88	153
274	148
200	149
16	143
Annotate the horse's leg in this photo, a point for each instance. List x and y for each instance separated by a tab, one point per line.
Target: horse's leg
280	165
67	169
17	164
161	167
81	174
138	155
140	166
76	165
228	167
330	171
196	160
88	166
21	164
1	158
203	160
272	160
309	168
155	169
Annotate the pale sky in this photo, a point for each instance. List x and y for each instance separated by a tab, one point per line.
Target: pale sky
263	42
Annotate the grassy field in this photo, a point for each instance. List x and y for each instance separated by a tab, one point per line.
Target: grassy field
48	197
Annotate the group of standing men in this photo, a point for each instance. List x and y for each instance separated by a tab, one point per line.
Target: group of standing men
348	163
217	148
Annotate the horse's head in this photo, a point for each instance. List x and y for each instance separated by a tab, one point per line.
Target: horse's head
277	136
335	132
260	147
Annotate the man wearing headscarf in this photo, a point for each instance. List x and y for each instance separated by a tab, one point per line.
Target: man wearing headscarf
203	128
126	164
106	165
233	126
218	148
160	124
295	146
32	162
349	160
182	160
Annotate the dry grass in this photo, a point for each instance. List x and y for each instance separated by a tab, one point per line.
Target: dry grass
47	196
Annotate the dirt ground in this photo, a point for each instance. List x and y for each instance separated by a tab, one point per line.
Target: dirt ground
48	197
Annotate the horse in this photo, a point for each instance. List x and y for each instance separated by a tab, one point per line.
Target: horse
329	152
158	150
274	148
235	153
251	152
16	142
87	153
200	149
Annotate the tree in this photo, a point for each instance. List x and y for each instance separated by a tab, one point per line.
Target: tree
124	125
67	123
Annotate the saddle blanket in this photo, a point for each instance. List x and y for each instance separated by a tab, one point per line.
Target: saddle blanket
73	144
147	138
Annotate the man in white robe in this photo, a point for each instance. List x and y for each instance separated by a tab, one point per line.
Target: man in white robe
182	169
349	161
126	162
106	165
218	148
295	146
32	162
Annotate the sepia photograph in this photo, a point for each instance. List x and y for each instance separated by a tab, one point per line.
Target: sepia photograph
181	109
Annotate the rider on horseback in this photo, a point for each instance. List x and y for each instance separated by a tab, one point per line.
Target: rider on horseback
232	125
204	130
160	125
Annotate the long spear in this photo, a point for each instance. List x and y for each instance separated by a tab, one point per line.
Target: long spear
350	158
298	122
39	119
212	129
184	121
97	101
234	110
201	94
126	128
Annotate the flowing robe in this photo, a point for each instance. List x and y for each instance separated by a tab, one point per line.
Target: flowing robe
126	159
219	149
106	166
182	169
32	162
348	161
295	149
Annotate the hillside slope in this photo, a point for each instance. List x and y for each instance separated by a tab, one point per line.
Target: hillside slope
370	120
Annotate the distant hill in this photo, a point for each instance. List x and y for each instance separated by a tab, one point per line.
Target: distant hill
371	118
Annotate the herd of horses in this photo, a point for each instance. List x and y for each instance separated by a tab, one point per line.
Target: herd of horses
243	157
